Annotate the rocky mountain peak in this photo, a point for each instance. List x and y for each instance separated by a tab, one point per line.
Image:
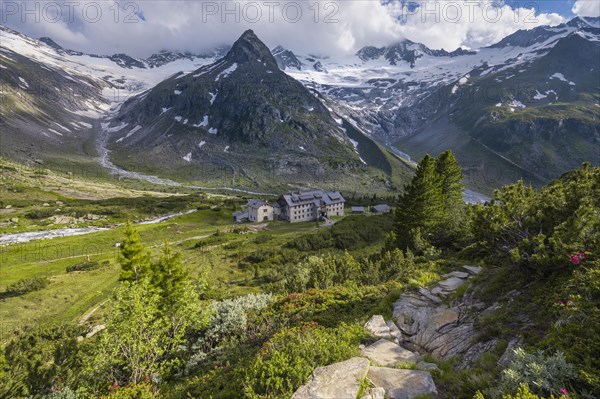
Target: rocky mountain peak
249	48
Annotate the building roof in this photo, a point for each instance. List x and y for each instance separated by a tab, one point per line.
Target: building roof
382	208
358	209
253	203
239	215
316	197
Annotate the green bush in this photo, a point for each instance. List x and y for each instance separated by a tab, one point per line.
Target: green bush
39	214
87	266
287	360
133	391
26	285
542	373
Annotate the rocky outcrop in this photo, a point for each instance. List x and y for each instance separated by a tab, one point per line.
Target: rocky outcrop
374	393
402	384
378	328
423	321
389	354
428	324
339	380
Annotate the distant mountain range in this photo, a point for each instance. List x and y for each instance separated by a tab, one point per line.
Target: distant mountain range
525	107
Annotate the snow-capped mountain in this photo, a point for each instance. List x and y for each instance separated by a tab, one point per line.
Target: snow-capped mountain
527	105
53	97
402	94
241	114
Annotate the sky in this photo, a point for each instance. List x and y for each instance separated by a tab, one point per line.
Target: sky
321	27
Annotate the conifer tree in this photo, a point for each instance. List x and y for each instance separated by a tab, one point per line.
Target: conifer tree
169	274
134	258
421	207
454	213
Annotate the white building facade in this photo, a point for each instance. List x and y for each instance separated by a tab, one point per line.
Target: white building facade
307	206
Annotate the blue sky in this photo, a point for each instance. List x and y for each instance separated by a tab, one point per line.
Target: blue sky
562	7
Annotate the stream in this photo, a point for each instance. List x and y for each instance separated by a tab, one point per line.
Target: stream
19	238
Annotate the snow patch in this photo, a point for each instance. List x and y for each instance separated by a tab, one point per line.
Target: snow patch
62	127
132	131
188	157
517	104
226	149
24	83
178	118
55	132
212	130
213	97
227	72
164	110
562	78
204	122
114	129
177	92
200	144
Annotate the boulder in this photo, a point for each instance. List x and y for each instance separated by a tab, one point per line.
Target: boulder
374	393
394	331
377	327
14	220
402	384
474	270
95	330
389	354
426	366
339	380
451	284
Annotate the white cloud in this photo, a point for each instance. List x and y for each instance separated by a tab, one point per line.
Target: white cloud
586	8
472	24
324	27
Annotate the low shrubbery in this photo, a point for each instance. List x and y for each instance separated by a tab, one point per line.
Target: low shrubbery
26	285
87	266
287	360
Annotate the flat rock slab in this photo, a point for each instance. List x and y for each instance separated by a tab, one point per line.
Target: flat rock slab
389	354
374	393
402	384
439	291
429	295
462	275
474	270
339	380
451	284
377	327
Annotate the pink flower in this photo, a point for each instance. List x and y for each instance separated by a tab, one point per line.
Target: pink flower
564	391
575	260
569	302
561	303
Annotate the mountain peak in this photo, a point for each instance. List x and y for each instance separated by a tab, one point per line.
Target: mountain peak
49	42
250	48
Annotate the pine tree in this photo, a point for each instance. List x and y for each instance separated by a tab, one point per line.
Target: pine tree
134	258
169	274
421	207
454	214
